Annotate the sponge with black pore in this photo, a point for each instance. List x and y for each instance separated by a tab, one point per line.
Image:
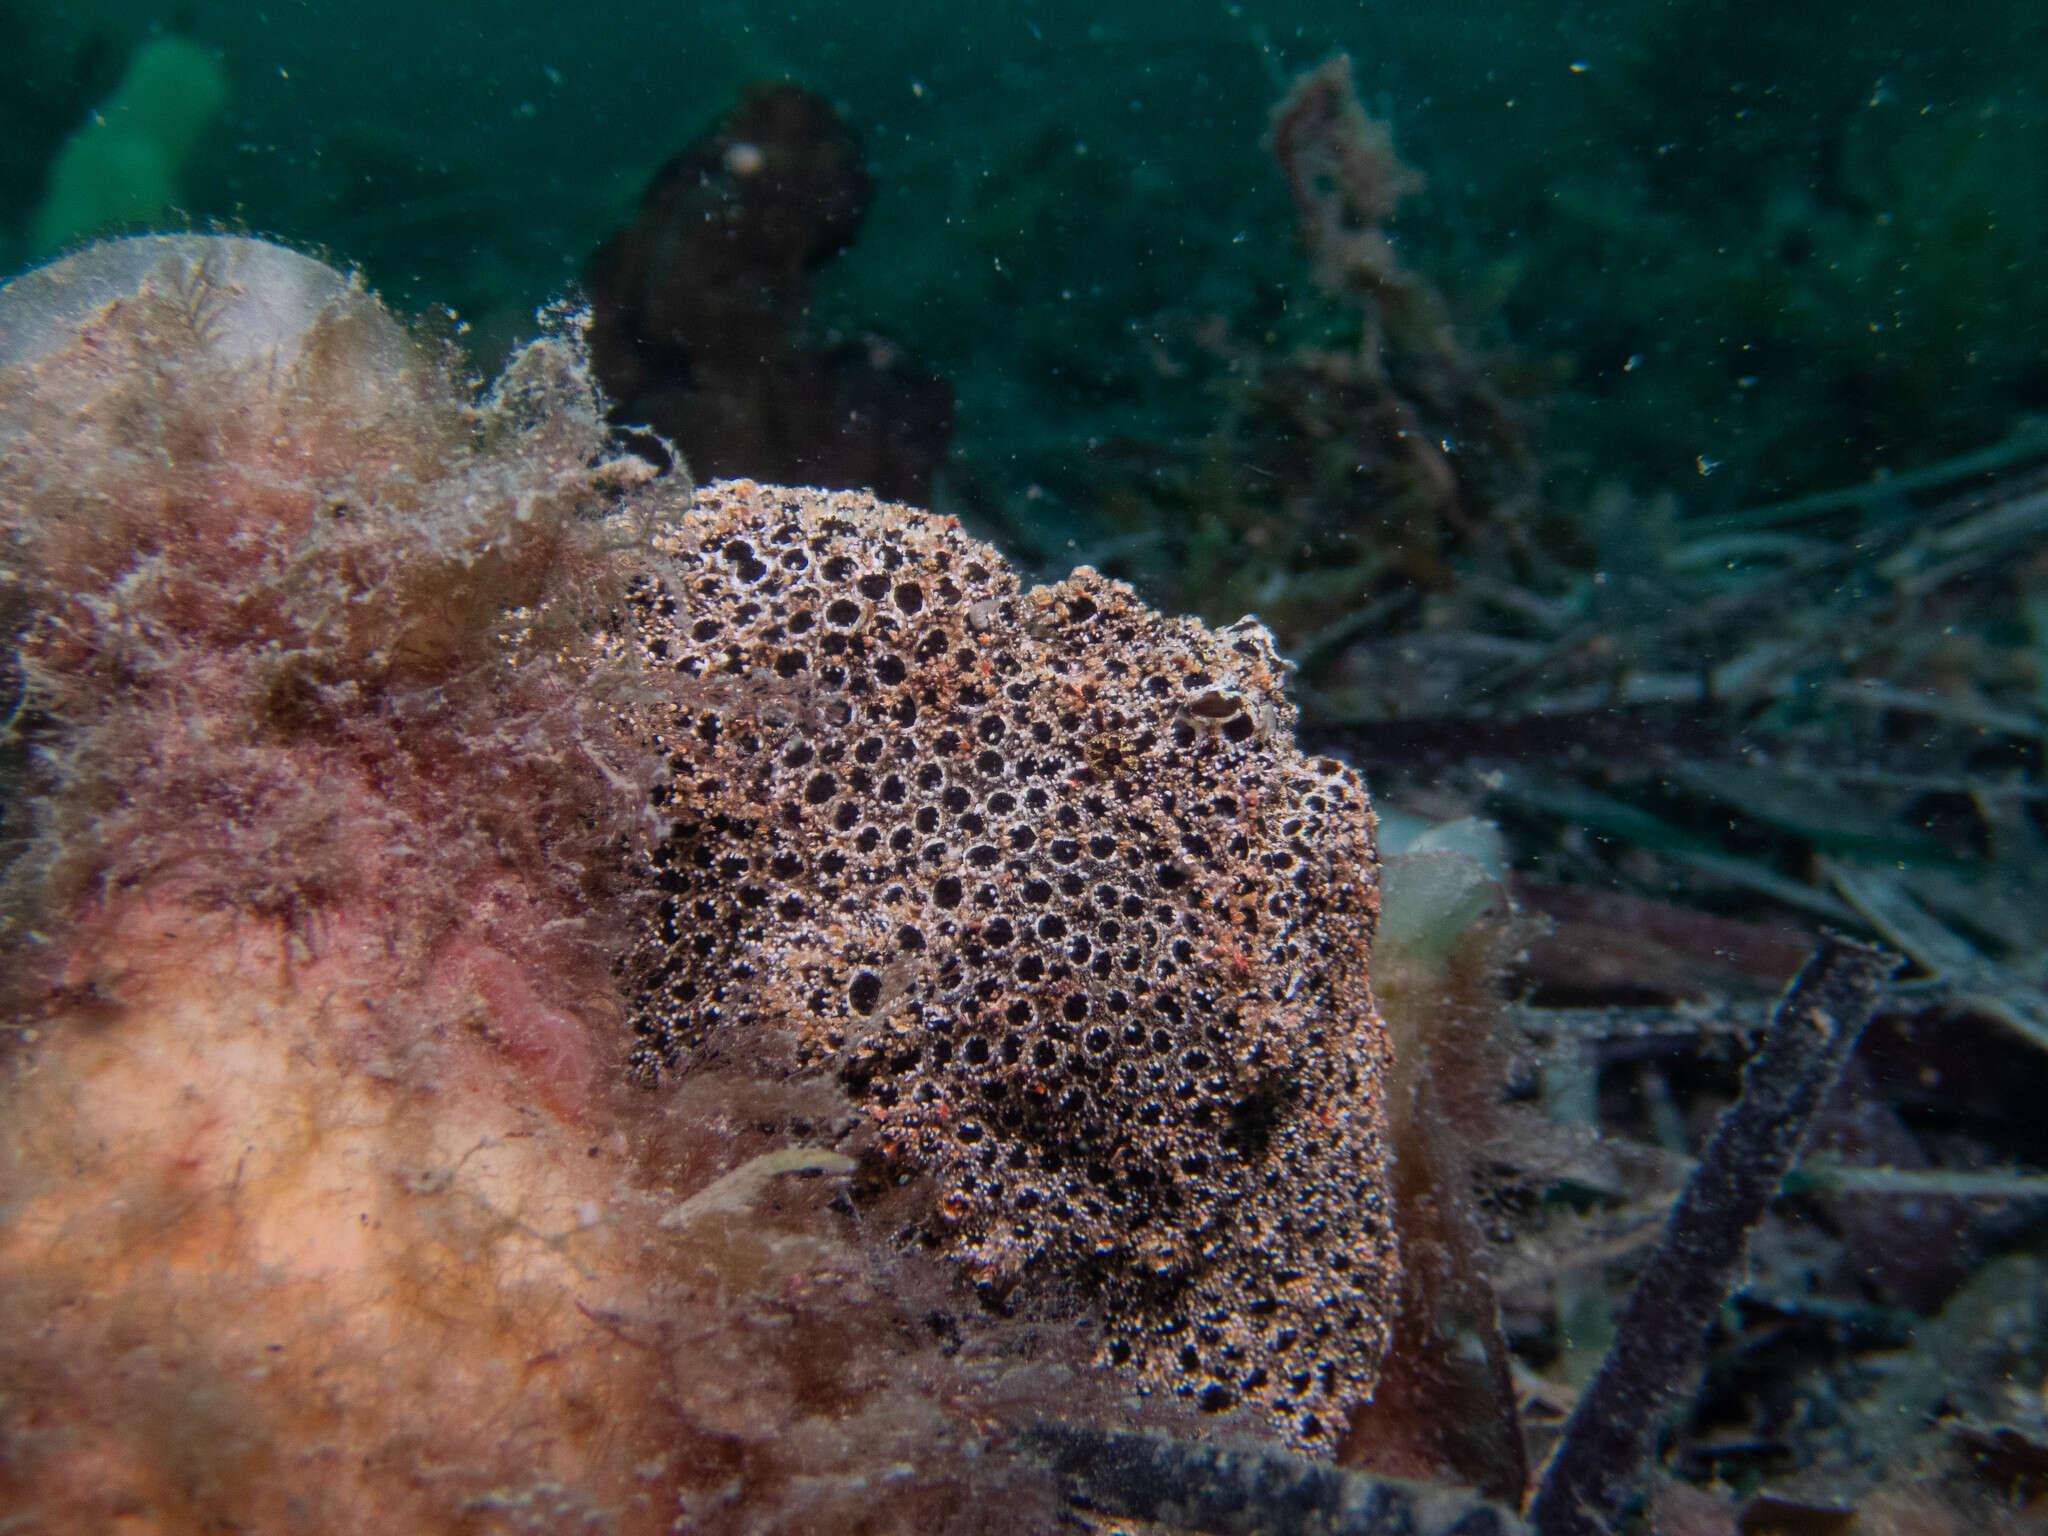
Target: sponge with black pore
1041	876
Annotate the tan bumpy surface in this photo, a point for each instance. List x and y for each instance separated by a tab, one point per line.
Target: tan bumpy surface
1043	878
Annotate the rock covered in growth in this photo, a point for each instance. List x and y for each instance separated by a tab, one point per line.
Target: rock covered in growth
1041	875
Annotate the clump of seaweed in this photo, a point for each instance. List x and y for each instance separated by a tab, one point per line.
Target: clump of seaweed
1380	461
263	564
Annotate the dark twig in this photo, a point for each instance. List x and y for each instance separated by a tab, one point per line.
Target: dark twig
1205	1487
1662	1334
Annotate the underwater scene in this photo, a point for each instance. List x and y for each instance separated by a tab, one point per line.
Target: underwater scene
1149	768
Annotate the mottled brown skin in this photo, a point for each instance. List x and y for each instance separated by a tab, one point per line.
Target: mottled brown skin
1042	877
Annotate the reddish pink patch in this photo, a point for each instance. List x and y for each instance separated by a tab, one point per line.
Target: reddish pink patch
552	1050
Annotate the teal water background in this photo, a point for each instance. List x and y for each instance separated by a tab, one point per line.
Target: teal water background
1744	252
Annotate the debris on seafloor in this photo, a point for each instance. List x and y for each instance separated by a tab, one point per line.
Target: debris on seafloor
1660	1338
1238	1491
